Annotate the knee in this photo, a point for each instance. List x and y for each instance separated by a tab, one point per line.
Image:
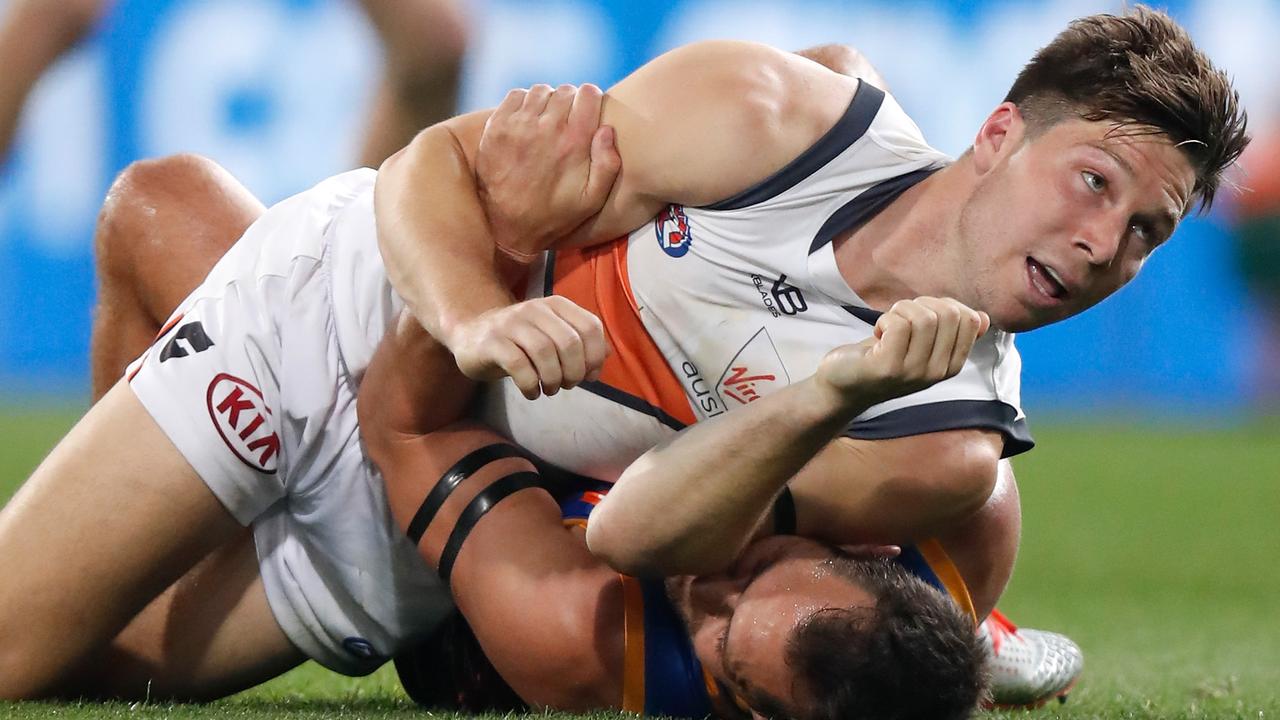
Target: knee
126	232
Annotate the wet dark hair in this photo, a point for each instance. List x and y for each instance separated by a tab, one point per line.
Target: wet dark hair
914	655
1141	71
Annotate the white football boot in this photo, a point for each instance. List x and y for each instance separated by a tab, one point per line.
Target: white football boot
1028	667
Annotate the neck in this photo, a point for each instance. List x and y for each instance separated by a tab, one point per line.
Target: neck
898	253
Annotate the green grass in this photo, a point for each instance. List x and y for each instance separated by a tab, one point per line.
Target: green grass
1155	549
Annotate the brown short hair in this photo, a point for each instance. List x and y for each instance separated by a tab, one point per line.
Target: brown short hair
914	656
1142	71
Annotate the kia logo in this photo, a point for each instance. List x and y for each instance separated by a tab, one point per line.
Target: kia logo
241	417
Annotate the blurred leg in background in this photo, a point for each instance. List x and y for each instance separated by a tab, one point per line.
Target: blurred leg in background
423	42
33	34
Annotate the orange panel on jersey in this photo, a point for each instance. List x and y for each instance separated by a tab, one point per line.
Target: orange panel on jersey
596	279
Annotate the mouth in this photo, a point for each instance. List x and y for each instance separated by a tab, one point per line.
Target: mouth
1046	281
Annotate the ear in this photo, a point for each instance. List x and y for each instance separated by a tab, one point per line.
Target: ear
999	135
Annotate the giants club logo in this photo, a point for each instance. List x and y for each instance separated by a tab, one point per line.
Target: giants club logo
754	372
672	227
191	335
240	415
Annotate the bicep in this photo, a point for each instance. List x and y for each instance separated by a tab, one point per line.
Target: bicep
547	613
706	121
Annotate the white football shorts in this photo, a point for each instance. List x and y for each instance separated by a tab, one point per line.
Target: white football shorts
248	382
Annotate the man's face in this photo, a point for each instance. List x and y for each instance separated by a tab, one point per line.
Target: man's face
740	621
1059	222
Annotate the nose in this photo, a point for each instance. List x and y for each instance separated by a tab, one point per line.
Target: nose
1100	238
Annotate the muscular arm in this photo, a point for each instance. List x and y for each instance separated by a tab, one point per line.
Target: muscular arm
730	95
689	507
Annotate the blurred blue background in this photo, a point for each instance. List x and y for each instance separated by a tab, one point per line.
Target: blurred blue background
276	90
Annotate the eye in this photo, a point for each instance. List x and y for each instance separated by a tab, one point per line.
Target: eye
1096	182
1143	232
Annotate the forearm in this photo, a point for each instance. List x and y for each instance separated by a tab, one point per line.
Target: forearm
690	505
433	232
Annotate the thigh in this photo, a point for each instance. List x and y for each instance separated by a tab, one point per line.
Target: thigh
209	635
110	519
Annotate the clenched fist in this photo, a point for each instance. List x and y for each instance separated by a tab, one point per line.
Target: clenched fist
917	343
544	344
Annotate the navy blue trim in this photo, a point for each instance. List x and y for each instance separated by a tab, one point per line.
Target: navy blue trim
948	415
673	680
622	397
549	274
848	129
866	205
913	561
866	315
609	392
784	513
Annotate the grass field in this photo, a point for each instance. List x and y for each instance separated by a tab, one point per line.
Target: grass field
1157	550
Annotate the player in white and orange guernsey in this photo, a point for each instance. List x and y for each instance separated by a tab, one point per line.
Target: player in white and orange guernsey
1070	185
306	277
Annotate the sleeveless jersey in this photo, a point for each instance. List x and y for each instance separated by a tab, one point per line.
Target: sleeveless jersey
709	309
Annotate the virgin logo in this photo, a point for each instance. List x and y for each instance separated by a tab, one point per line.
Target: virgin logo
754	372
241	418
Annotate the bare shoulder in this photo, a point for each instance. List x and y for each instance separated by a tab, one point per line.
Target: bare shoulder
728	105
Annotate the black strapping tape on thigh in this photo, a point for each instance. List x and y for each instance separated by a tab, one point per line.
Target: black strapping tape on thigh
452	478
481	504
784	513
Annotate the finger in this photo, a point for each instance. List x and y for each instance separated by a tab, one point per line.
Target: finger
511	103
894	332
967	334
605	165
924	324
986	323
559	105
568	345
536	100
950	315
542	352
584	116
515	364
591	331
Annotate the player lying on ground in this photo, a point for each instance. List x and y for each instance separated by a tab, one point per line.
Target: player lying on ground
145	507
559	628
213	629
133	515
1108	138
771	219
154	237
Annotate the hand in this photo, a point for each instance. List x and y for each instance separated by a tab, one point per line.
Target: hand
545	166
917	343
543	344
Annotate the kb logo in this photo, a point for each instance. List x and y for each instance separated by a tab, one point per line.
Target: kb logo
787	298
